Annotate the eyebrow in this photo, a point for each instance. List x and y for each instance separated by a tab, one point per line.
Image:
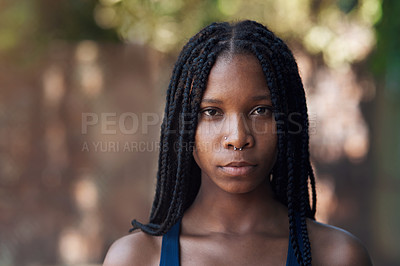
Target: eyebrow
211	101
261	97
254	98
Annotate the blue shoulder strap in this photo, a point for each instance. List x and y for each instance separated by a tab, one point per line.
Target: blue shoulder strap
170	247
291	257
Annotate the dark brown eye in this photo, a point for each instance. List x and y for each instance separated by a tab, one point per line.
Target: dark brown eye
210	112
262	110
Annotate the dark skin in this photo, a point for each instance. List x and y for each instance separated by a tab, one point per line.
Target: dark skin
235	219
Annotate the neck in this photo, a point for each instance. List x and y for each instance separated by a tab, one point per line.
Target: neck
215	210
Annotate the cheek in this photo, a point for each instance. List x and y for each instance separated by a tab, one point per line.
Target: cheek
205	137
269	146
262	127
205	144
268	142
199	145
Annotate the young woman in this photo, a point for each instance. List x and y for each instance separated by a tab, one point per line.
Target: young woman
234	169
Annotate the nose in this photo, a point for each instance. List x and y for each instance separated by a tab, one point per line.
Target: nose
238	134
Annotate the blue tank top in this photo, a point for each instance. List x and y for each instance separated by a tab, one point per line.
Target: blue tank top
170	247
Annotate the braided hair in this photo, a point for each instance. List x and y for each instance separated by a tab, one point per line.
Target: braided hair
178	177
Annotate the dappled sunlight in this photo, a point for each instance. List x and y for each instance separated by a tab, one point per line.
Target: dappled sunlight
53	86
327	201
89	73
83	242
72	247
105	16
86	195
340	125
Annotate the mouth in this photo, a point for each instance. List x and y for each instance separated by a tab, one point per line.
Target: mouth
238	168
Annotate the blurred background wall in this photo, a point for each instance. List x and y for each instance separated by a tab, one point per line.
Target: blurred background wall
82	88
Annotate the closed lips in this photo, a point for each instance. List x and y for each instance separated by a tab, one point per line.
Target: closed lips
238	168
239	164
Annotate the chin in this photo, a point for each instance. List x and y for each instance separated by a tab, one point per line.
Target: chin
239	187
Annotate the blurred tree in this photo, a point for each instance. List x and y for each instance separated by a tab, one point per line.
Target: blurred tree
71	20
386	66
30	26
318	25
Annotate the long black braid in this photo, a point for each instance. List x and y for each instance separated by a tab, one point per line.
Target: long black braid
178	177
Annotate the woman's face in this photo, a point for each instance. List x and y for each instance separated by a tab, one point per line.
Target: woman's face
236	111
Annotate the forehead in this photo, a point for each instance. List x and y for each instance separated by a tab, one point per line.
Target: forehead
236	76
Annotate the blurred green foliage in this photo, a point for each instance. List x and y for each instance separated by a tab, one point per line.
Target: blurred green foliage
16	20
385	64
386	67
71	20
323	27
386	59
30	26
347	5
166	25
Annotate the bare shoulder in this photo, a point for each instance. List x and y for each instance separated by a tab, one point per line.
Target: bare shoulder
331	245
136	248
